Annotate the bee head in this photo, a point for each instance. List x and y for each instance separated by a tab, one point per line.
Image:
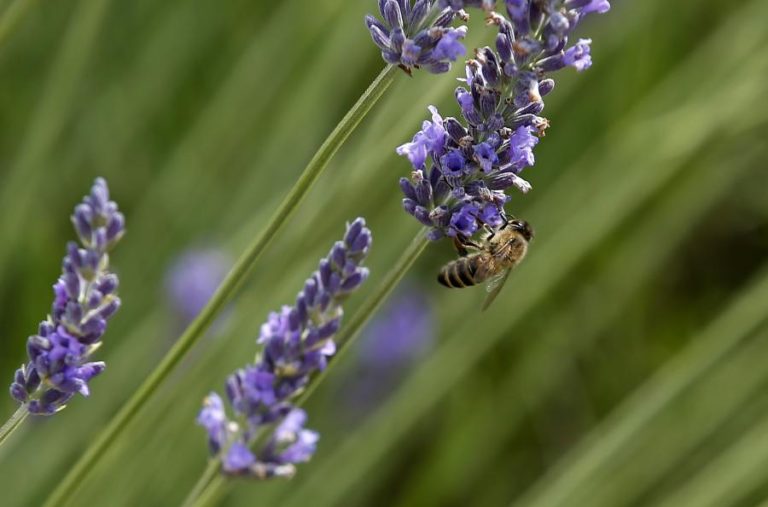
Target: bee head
523	227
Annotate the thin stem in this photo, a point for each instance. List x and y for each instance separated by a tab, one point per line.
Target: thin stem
200	486
210	485
14	422
235	278
211	494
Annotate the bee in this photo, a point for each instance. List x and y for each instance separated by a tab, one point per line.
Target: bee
492	260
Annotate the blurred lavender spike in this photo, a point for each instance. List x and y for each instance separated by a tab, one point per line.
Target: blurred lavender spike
400	335
296	342
85	297
463	166
192	280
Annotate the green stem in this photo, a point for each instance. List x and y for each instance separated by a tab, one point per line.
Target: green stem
215	488
14	422
211	471
224	293
211	485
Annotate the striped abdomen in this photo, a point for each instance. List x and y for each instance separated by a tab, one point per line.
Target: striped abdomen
459	273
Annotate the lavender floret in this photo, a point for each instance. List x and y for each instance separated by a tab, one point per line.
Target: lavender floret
297	342
417	34
85	298
462	167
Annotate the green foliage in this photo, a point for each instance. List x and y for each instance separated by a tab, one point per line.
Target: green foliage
621	366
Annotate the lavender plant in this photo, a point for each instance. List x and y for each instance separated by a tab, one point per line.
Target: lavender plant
85	297
471	164
296	343
462	168
392	31
416	35
226	290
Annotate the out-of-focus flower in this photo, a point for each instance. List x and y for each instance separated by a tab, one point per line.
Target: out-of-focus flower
463	167
85	297
401	334
193	279
296	342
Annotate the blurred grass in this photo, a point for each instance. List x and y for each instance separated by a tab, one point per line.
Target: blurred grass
436	376
48	120
649	205
549	361
621	436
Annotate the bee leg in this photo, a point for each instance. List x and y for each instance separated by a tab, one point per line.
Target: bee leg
459	246
406	70
461	243
503	226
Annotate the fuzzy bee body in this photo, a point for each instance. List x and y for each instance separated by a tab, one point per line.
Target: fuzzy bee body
492	260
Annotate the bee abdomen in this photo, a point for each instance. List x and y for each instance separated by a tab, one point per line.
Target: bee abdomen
458	274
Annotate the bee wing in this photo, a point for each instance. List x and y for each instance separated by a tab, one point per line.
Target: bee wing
494	287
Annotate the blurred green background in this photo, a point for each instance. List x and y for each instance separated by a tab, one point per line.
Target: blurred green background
625	364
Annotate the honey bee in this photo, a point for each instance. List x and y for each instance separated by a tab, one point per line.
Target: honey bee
492	260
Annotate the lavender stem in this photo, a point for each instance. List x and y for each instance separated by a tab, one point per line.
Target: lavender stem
83	467
211	485
14	422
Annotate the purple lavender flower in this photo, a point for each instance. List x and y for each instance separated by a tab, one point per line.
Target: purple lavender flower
297	342
587	6
429	140
463	166
214	419
464	221
417	34
521	146
578	56
85	297
193	279
288	445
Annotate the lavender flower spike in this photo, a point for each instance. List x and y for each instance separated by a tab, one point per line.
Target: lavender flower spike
463	166
85	298
297	342
417	34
